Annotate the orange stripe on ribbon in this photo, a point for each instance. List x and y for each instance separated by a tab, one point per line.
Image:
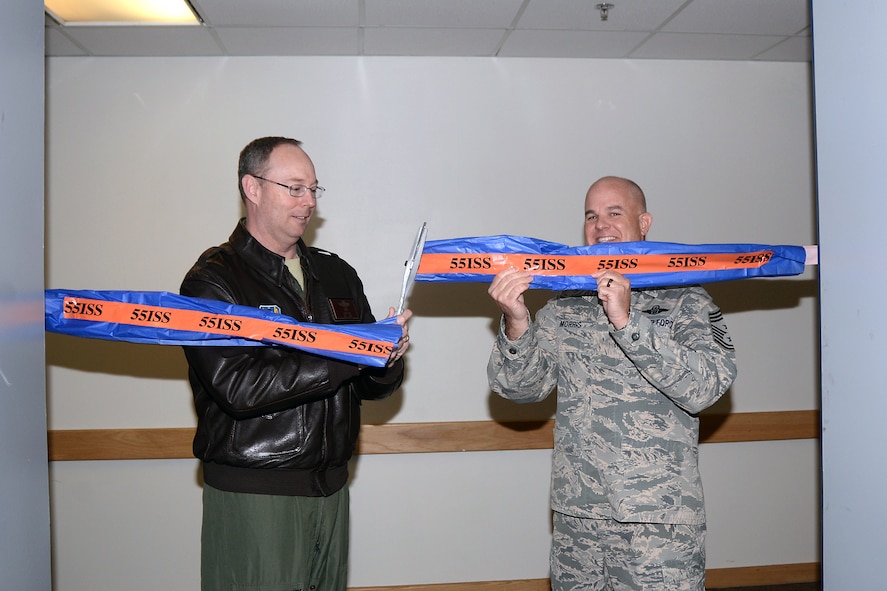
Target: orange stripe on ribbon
583	265
160	317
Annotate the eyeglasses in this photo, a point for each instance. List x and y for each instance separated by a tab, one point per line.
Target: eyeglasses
296	190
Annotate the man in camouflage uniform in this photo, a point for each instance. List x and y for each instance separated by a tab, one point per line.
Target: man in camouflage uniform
632	370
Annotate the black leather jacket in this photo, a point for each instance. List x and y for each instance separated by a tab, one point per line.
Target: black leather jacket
272	419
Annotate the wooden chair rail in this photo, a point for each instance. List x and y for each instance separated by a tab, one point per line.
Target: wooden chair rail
718	578
394	438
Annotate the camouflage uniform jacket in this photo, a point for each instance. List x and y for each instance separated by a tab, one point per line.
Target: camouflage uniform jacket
626	435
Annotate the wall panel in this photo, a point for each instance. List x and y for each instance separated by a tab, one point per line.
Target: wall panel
141	158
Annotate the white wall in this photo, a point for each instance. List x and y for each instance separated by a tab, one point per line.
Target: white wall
141	177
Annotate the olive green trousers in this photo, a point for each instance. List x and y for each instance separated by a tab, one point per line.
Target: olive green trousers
253	542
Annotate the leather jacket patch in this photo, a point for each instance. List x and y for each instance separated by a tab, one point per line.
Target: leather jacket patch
344	310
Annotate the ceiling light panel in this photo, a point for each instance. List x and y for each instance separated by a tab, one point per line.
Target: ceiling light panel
122	12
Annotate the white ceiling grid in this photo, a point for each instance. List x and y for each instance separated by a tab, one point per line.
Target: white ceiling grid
756	30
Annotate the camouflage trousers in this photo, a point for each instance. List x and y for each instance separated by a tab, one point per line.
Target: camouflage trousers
606	555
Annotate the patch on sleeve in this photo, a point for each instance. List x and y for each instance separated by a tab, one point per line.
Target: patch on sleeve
719	330
344	309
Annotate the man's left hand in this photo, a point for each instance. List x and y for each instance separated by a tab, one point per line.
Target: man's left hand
403	343
614	292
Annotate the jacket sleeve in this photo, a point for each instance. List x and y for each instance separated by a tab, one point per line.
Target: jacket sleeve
524	370
694	363
380	382
248	382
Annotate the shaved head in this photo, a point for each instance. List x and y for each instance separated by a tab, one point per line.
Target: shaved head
626	185
615	211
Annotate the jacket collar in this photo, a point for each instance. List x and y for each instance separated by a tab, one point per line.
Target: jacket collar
263	260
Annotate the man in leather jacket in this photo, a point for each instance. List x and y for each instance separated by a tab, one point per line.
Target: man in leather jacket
276	427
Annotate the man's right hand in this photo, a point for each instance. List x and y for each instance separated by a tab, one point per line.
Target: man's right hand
507	290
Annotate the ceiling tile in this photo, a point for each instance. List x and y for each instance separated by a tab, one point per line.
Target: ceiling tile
625	15
290	40
58	44
279	13
704	47
434	13
749	17
580	44
431	42
145	40
793	49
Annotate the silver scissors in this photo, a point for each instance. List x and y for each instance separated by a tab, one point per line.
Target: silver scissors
412	266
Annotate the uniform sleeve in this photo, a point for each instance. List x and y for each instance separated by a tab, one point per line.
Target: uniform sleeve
524	370
694	363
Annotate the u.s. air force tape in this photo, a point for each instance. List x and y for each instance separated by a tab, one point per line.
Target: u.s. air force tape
163	318
647	264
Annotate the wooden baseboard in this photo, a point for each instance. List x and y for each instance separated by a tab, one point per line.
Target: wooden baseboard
718	578
758	576
526	585
394	438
